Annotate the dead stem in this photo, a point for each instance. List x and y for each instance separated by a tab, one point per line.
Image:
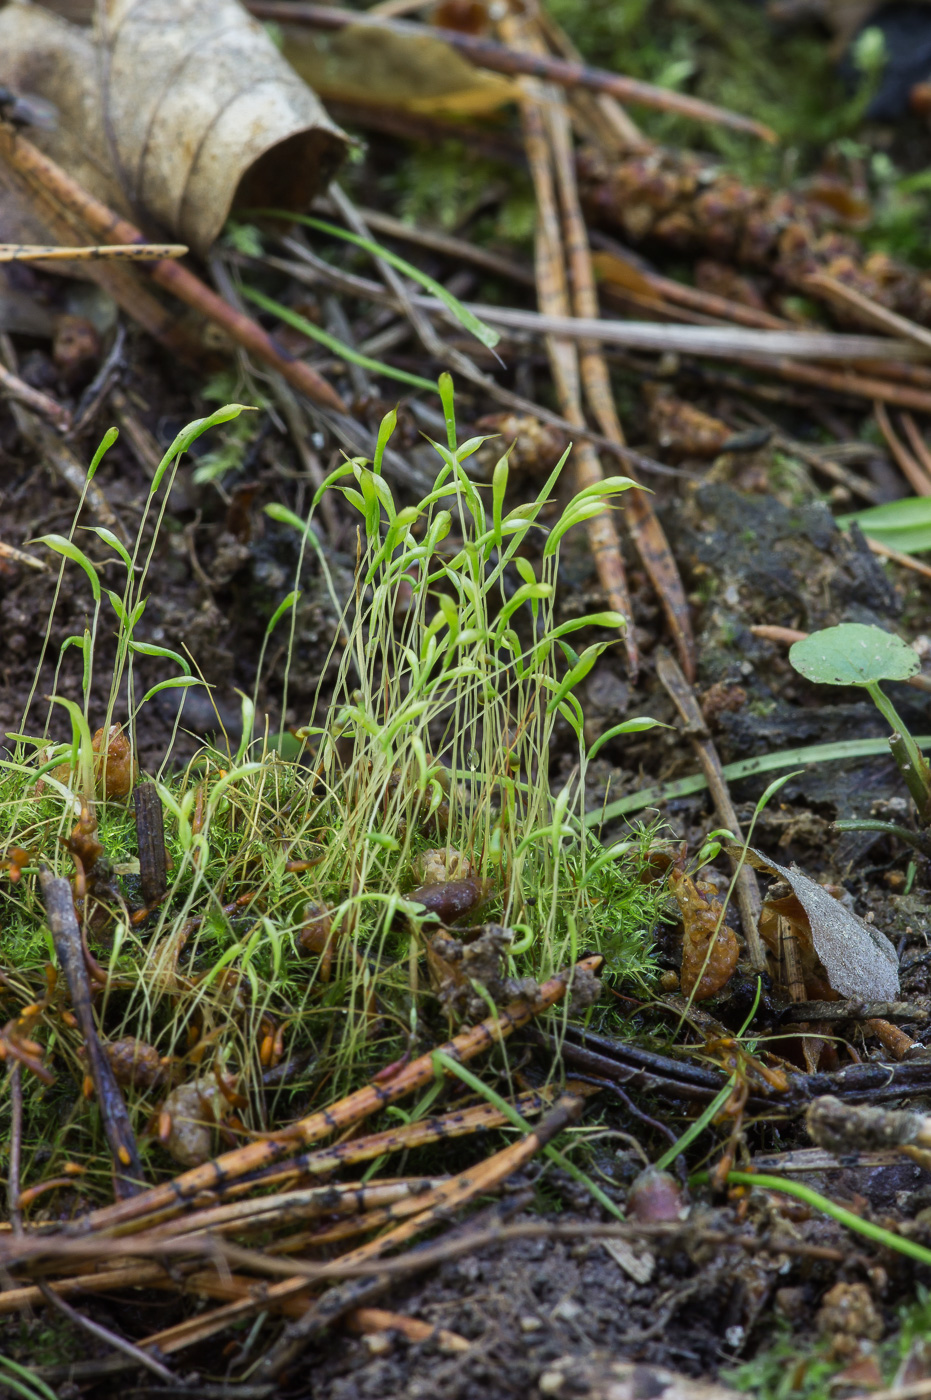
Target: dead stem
104	1334
128	1173
748	894
493	56
461	1189
172	1197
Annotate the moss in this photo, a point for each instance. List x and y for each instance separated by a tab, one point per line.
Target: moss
437	735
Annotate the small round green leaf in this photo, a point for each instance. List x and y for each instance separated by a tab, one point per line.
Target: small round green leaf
853	654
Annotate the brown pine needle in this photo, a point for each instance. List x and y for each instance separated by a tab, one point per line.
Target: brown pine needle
107	252
172	1197
917	478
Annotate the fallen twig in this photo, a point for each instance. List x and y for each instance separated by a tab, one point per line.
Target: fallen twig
748	894
486	54
150	834
125	252
19	556
553	295
172	1197
105	1335
15	388
59	906
459	1190
913	471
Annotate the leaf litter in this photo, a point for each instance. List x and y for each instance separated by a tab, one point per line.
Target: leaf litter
292	963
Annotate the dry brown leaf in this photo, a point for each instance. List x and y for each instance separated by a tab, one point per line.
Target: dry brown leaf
859	960
416	72
178	111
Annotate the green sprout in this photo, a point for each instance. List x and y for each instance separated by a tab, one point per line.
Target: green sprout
855	654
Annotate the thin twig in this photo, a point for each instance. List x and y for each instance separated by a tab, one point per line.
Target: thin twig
867	309
553	296
16	1148
460	250
128	252
103	1334
748	894
918	444
48	408
59	907
19	556
57	455
493	56
917	478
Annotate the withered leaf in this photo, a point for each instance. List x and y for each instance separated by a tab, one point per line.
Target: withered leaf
174	112
859	960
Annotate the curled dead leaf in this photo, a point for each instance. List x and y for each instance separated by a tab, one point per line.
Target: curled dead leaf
859	960
196	112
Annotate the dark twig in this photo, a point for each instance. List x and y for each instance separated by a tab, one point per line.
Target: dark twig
150	836
103	1334
854	1011
59	905
683	697
16	1148
102	383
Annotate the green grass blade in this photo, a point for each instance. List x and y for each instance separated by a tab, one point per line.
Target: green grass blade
745	768
34	1385
338	347
699	1126
887	1238
463	315
451	1066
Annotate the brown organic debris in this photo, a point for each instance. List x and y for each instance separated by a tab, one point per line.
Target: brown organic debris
709	945
468	975
858	960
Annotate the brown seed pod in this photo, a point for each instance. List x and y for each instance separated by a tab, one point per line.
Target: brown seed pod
451	900
655	1196
315	930
135	1064
120	768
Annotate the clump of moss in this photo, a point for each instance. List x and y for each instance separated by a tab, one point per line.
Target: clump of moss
288	935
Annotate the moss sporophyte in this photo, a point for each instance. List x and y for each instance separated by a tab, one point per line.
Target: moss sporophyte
291	947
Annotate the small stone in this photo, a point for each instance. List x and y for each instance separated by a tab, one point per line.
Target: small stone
378	1343
528	1323
551	1382
567	1310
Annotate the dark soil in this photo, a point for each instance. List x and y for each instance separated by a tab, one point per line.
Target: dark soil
755	543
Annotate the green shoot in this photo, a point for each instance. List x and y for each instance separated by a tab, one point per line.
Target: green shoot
887	1238
463	315
854	654
445	1063
843	751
